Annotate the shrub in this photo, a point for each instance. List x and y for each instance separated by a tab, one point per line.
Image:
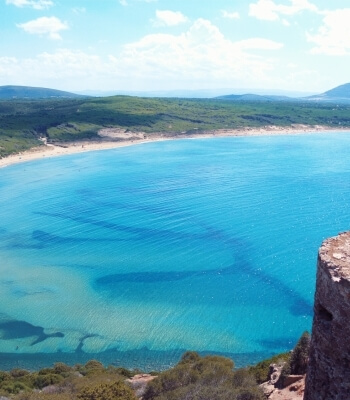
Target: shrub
297	364
46	371
107	391
46	380
61	369
261	370
17	372
4	376
93	364
124	372
203	378
14	387
45	396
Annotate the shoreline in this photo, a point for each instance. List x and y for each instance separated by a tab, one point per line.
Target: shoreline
114	138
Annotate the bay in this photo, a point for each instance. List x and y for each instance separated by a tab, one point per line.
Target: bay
134	255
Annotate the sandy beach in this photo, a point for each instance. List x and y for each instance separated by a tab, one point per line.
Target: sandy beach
113	138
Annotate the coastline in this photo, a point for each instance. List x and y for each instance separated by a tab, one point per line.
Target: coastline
114	138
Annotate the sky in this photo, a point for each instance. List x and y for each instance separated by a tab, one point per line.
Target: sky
145	45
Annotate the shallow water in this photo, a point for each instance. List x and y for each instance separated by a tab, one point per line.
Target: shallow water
134	255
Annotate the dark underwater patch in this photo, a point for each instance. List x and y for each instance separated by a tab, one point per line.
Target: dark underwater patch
14	329
240	249
79	348
47	239
279	343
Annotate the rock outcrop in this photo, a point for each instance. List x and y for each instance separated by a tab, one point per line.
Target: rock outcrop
328	374
139	383
292	389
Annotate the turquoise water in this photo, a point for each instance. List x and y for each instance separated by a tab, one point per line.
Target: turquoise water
134	255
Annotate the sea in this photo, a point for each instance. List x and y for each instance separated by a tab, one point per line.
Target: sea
133	256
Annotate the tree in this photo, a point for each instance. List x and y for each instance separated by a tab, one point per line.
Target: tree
300	355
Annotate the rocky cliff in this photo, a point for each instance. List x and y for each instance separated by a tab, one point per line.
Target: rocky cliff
328	375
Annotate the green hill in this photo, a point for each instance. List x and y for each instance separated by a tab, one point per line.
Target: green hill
24	122
27	92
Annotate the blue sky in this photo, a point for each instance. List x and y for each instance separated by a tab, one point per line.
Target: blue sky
75	45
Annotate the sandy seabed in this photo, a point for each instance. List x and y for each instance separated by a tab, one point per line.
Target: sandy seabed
111	138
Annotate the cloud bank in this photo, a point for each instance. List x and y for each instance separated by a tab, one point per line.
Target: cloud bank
268	10
36	4
332	37
200	56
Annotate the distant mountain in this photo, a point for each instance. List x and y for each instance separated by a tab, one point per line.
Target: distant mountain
27	92
194	94
340	91
256	97
339	94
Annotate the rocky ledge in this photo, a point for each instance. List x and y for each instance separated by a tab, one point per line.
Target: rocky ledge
329	363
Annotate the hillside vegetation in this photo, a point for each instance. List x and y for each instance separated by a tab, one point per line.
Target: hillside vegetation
29	92
195	377
24	122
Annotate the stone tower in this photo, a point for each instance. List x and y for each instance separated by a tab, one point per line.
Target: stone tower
328	375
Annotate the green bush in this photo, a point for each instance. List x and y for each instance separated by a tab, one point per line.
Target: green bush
45	396
124	372
203	378
61	369
4	376
94	364
14	387
297	363
300	354
46	371
46	380
261	370
107	391
17	372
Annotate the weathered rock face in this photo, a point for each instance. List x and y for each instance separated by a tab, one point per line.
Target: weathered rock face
328	375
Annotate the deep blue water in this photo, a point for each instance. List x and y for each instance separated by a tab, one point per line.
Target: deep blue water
136	254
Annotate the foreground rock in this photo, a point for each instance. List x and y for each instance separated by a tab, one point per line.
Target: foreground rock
294	391
328	374
139	383
293	385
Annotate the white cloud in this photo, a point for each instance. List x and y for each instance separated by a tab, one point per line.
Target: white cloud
36	4
332	37
264	9
123	2
169	18
200	54
268	10
199	57
65	62
65	66
230	15
50	26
